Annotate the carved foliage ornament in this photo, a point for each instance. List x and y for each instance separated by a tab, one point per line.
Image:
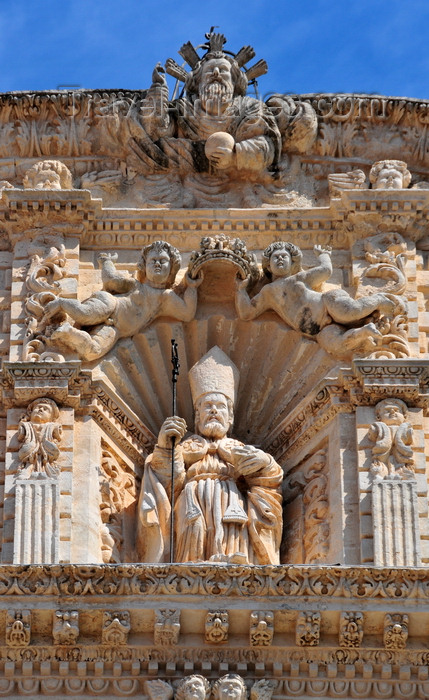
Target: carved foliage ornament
308	629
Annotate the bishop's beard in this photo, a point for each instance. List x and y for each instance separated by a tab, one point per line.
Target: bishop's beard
213	430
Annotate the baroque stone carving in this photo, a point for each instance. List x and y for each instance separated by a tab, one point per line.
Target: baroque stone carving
215	520
215	145
392	454
328	317
117	493
217	627
18	628
351	629
125	305
47	269
48	175
308	629
40	433
389	175
116	627
167	627
65	629
395	631
310	482
225	249
261	628
193	687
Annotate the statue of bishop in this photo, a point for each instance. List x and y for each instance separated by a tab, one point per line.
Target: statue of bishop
228	505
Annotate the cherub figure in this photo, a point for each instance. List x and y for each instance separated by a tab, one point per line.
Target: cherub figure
392	454
48	175
389	175
328	317
40	434
126	305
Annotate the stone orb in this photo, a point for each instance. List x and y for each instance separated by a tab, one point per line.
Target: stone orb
216	140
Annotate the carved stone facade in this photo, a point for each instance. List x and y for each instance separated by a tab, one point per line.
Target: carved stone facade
241	513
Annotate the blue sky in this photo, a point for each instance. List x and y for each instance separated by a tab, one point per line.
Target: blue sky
374	46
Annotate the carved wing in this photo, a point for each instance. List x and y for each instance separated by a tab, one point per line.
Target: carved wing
353	180
159	690
262	690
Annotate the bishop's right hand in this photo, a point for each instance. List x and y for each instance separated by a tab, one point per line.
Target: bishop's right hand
172	427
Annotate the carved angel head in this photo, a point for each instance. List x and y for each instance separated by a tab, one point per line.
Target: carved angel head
289	264
389	175
391	411
48	175
159	264
43	410
229	687
194	687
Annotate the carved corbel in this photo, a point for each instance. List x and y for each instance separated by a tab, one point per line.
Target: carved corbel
18	628
29	380
65	628
376	379
217	627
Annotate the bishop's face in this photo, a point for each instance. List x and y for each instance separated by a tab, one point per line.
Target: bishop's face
213	416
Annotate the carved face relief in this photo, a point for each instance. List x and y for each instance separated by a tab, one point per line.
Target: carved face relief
389	178
214	417
41	413
194	689
391	413
280	263
216	86
230	689
158	267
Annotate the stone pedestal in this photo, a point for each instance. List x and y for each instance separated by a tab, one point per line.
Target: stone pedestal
37	521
